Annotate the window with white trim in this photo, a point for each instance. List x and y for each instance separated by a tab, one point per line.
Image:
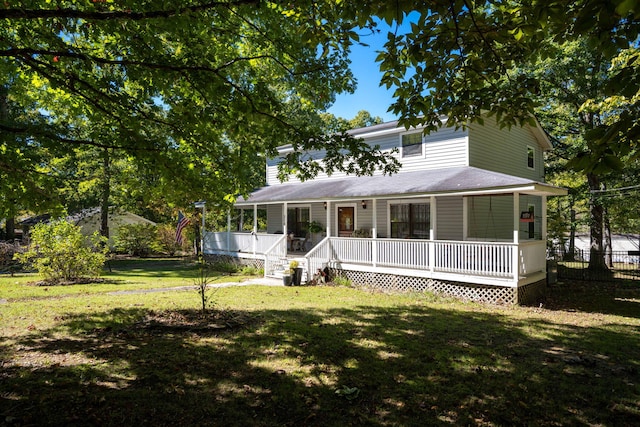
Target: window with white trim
531	157
411	144
410	220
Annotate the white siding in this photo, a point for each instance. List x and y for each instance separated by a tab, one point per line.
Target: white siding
490	217
504	150
445	148
274	218
449	218
319	214
442	149
365	216
383	220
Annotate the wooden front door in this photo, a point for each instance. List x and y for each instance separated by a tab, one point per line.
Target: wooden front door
346	217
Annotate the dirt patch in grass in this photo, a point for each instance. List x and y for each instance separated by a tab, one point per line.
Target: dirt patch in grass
195	320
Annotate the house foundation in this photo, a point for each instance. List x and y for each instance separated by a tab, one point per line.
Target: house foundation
524	295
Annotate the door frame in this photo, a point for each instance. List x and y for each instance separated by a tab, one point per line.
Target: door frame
337	215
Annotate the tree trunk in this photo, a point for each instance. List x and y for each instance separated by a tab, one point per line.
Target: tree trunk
10	223
608	247
10	226
572	235
106	192
596	221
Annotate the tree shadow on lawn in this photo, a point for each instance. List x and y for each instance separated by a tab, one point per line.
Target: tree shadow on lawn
137	267
369	366
615	298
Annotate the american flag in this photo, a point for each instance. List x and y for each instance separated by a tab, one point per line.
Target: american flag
183	221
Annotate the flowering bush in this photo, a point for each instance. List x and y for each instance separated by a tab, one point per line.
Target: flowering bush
60	252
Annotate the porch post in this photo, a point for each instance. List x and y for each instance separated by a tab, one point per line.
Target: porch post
516	238
328	219
228	230
374	233
544	230
285	225
543	225
241	226
465	217
433	219
255	229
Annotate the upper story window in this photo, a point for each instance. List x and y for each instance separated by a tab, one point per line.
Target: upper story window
412	144
531	157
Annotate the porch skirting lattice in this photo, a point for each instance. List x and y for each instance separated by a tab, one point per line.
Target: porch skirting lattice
230	259
525	295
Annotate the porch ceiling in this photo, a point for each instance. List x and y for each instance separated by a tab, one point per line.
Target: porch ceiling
461	180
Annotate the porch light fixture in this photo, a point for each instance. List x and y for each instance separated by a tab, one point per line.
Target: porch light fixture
325	205
364	204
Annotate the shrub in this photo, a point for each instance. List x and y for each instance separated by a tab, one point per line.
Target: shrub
342	281
59	252
167	239
137	239
225	267
250	270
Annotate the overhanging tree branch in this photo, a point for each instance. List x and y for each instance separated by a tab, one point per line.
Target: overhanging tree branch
117	14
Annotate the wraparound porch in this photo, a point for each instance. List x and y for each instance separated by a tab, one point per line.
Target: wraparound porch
504	264
447	229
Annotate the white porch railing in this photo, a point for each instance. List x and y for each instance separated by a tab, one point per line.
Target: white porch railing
222	242
483	259
477	258
273	256
448	258
532	257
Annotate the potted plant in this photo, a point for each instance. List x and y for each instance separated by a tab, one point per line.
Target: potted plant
287	277
296	271
315	227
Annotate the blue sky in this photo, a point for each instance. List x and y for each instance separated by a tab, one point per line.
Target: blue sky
369	95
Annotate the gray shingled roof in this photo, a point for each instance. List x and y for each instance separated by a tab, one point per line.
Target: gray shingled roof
426	182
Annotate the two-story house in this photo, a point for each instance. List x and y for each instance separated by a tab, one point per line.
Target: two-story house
466	215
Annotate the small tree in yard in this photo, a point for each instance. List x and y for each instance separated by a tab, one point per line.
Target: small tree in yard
60	253
202	282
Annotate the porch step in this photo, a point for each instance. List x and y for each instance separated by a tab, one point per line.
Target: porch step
283	264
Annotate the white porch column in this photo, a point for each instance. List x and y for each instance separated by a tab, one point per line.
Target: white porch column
465	217
374	233
543	225
255	228
241	226
328	212
433	223
516	238
516	218
374	230
255	219
285	226
229	230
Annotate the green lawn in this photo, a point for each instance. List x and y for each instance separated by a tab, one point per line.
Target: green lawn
274	356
